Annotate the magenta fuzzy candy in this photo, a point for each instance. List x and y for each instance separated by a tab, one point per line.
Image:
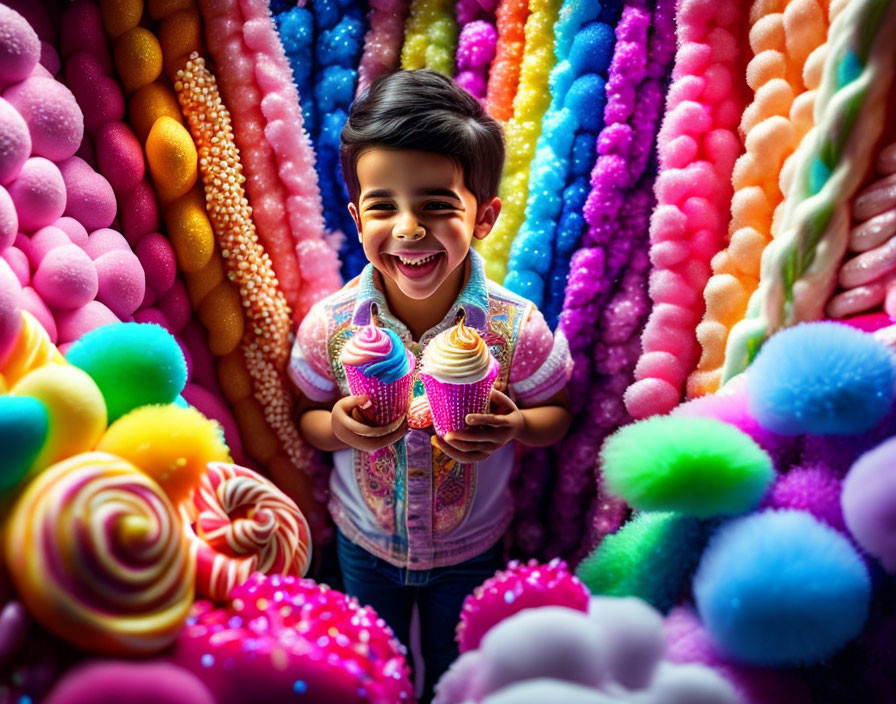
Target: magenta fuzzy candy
287	639
514	589
451	403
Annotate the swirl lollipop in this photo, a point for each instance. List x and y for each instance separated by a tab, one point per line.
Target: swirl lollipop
95	550
243	524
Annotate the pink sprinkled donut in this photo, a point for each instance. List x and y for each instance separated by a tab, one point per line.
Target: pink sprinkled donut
38	193
19	47
287	639
91	200
66	277
241	523
514	589
52	115
15	141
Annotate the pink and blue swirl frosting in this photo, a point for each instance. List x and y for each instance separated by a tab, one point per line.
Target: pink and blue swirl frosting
377	352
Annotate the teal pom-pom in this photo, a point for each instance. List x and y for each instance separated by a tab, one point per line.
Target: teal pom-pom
699	467
650	557
133	364
24	424
820	379
780	588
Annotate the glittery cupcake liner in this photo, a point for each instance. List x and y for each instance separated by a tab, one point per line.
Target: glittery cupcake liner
390	401
450	403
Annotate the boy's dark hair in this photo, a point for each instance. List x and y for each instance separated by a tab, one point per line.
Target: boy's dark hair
426	111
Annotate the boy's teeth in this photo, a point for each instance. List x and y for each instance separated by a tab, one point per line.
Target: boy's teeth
415	262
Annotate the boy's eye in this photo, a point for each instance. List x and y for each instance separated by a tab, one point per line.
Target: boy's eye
380	206
440	205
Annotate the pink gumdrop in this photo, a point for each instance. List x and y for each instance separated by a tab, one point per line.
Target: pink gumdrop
153	316
139	212
19	47
19	264
9	220
194	338
10	309
175	306
34	304
40	72
49	59
38	193
119	156
85	151
214	407
98	94
23	242
52	115
37	16
104	241
74	324
45	239
649	396
187	357
91	200
82	30
15	142
121	282
75	230
66	277
157	257
149	297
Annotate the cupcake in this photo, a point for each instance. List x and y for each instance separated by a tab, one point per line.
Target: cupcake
378	365
458	373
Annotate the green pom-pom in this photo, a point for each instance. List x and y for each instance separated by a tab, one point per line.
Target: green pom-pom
24	424
699	467
650	557
133	364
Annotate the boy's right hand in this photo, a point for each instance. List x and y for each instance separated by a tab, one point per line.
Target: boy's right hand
349	427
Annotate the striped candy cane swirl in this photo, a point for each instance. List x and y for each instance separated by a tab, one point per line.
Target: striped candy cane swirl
97	554
242	523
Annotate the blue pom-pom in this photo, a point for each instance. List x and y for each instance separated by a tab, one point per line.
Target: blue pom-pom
24	424
592	49
822	379
587	98
584	154
526	283
779	588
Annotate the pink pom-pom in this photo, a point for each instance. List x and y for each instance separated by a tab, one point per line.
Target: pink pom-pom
53	117
648	396
82	30
38	193
98	94
121	282
91	200
35	305
175	306
15	142
814	489
66	278
139	212
514	589
19	47
159	262
9	220
119	156
75	230
115	682
45	239
74	324
281	636
19	264
105	240
10	309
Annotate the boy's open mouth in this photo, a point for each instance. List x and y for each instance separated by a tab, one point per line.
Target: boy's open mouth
417	265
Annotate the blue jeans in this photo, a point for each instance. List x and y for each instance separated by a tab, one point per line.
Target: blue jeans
439	594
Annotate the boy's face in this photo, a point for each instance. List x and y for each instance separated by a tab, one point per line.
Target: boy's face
416	218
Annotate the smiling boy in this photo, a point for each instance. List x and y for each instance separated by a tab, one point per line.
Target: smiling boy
423	521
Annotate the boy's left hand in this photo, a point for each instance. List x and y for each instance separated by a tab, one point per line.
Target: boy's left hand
486	432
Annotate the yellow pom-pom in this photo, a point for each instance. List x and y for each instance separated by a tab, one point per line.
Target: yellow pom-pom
33	349
172	158
169	443
189	229
76	409
152	101
119	16
138	58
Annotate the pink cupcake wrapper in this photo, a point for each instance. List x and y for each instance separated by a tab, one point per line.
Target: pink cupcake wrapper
390	401
450	403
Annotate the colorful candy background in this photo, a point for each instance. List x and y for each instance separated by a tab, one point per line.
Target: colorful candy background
700	194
